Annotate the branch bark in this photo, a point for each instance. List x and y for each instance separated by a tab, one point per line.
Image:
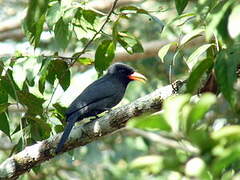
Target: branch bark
111	122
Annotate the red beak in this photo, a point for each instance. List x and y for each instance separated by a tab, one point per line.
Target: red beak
137	77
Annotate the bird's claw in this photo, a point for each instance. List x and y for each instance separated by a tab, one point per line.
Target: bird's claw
94	118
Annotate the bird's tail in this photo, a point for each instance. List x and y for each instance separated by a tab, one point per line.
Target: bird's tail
65	135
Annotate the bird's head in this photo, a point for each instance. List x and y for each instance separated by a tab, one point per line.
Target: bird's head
125	72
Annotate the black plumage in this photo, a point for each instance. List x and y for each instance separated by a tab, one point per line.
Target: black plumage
99	96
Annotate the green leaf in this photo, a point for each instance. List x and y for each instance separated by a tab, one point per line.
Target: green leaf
52	70
225	158
133	9
63	33
3	107
183	17
25	86
172	109
129	8
200	108
4	124
180	5
217	15
82	28
30	81
197	73
58	128
199	137
18	128
85	61
164	50
225	68
90	16
153	122
8	84
212	52
193	59
86	23
18	147
229	132
1	67
40	129
53	14
189	36
34	20
3	95
104	55
33	103
41	84
63	73
51	74
222	27
115	30
43	74
60	110
129	43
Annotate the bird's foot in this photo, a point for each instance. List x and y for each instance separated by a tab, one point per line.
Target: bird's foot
97	117
94	118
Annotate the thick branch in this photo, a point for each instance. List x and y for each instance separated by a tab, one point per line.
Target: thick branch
87	133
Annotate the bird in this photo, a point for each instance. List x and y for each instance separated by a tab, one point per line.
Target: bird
100	96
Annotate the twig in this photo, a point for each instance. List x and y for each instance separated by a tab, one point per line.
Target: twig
51	98
163	140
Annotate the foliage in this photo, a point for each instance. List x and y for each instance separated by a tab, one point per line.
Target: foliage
207	122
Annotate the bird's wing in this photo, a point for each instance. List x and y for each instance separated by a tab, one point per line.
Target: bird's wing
96	91
74	108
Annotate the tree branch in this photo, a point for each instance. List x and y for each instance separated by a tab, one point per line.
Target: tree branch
187	147
87	133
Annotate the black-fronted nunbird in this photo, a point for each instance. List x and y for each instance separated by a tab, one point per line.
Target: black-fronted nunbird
99	96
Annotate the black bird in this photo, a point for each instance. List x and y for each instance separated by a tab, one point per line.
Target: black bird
99	96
